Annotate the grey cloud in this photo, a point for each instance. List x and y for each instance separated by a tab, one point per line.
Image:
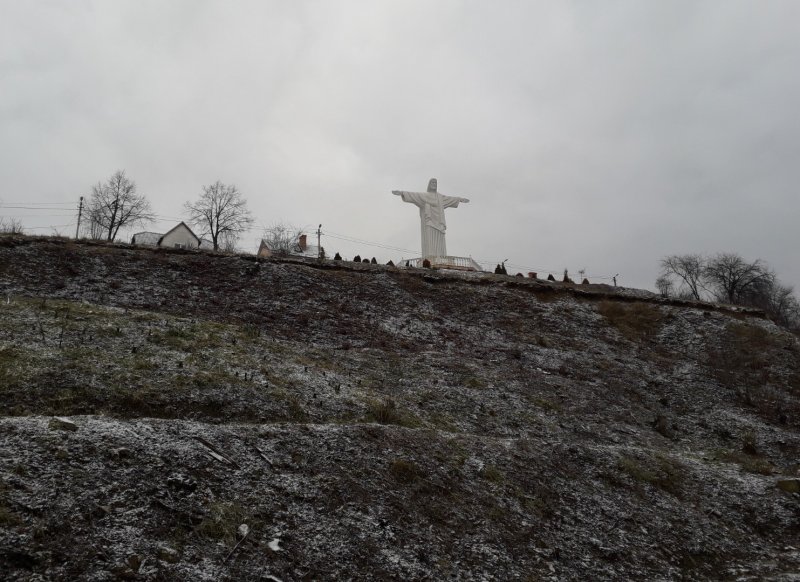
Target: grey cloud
596	135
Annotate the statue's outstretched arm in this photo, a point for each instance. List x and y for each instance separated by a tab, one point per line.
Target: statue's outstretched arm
452	201
412	197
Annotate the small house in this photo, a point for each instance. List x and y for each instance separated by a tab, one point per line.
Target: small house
179	237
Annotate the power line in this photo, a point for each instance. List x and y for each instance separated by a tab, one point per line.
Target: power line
347	238
368	243
28	202
51	226
39	215
33	207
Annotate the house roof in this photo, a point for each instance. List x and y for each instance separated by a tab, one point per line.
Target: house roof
177	226
311	250
146	238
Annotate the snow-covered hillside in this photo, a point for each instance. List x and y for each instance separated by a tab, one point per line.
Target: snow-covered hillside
371	423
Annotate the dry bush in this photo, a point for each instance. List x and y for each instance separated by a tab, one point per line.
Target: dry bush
750	443
633	320
10	226
387	412
384	412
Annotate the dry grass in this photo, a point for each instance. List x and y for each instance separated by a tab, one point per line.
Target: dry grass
387	412
633	320
492	473
660	471
8	518
746	361
404	471
222	522
748	462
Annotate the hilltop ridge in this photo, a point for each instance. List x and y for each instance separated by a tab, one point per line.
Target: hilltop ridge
377	423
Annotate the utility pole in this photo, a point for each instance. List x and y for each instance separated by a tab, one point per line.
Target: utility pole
319	248
80	212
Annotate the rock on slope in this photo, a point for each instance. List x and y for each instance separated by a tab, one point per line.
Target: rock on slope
371	423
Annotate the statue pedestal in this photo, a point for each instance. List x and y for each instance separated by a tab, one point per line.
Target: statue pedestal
453	263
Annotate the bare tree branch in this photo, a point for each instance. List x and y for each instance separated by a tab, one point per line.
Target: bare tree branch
733	278
688	268
221	213
728	277
282	238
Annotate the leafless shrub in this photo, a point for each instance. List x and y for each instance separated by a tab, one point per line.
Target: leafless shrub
750	443
385	412
665	286
282	239
10	226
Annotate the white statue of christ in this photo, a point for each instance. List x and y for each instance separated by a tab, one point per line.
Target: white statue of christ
431	214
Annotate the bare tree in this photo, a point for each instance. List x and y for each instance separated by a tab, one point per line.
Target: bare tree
115	204
282	238
780	303
221	213
733	279
688	268
728	277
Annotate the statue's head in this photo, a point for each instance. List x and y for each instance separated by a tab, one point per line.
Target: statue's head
432	185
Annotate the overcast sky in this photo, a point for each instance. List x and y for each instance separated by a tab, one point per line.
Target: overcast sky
589	135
